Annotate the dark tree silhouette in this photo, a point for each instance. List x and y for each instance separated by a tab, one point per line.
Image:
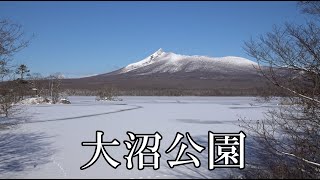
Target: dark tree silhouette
22	70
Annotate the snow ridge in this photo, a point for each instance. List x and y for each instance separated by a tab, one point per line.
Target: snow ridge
170	62
148	60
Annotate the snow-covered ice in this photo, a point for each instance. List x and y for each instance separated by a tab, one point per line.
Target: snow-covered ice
47	143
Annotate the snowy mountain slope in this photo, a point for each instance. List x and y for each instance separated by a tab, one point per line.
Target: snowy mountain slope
167	70
149	60
168	62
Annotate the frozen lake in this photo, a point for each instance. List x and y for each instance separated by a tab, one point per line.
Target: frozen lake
48	143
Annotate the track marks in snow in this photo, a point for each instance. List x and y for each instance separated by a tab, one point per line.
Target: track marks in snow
59	166
85	116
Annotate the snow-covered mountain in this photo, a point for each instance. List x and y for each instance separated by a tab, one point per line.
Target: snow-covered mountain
168	62
167	70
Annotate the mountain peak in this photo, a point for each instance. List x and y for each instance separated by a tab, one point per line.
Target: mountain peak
149	60
156	54
159	51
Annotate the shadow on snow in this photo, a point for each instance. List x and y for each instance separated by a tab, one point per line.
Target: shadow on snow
23	151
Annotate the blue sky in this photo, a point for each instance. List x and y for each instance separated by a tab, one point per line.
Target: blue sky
84	38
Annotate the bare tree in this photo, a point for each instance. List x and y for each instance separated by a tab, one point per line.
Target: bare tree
310	7
4	70
55	87
288	139
38	83
11	41
8	98
109	93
